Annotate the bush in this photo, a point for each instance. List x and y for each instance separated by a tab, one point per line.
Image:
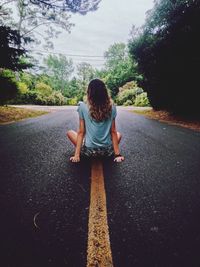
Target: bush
129	91
128	103
128	94
30	97
27	98
72	101
128	86
23	88
142	100
43	89
56	98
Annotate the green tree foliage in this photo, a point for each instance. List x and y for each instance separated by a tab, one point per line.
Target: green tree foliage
85	73
55	98
42	95
168	55
72	101
59	68
51	16
129	85
116	53
131	94
25	17
142	100
10	58
8	86
46	95
118	76
23	88
9	52
126	96
128	93
120	68
75	90
43	89
29	79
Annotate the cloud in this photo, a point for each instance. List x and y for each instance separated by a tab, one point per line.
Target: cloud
95	32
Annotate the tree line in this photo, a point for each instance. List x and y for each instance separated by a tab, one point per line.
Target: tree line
20	24
160	65
54	83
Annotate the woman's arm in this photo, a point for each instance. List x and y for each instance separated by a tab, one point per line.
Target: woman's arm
80	136
115	142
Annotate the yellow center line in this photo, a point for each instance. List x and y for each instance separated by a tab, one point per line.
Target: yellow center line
99	250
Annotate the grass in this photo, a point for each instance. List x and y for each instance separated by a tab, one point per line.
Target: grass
11	114
165	116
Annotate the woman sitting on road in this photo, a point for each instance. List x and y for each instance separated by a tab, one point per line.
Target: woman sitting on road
97	125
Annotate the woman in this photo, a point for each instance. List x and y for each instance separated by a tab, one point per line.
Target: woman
97	128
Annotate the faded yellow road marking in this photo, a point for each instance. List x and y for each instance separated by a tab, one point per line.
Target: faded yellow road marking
99	251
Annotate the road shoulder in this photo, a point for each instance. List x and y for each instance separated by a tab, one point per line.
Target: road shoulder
164	116
10	114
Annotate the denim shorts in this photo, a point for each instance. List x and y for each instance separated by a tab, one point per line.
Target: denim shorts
91	152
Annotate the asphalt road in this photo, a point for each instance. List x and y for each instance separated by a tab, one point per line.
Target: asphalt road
153	197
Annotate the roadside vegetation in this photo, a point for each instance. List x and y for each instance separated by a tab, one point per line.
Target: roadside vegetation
10	114
167	51
56	84
165	116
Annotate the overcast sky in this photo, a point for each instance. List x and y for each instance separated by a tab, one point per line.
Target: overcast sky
96	31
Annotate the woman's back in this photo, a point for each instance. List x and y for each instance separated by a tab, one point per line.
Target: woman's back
97	132
97	135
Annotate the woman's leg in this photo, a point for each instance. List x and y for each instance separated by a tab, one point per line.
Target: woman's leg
119	136
72	135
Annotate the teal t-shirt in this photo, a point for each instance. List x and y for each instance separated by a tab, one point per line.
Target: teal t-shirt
97	134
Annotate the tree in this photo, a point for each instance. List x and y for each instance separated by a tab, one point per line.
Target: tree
59	68
10	54
120	68
85	73
43	89
10	59
115	54
29	79
168	55
49	15
124	72
75	91
81	6
8	86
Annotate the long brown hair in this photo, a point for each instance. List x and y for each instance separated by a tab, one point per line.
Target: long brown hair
100	105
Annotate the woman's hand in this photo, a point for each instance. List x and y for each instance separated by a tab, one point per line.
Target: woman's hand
75	158
119	159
